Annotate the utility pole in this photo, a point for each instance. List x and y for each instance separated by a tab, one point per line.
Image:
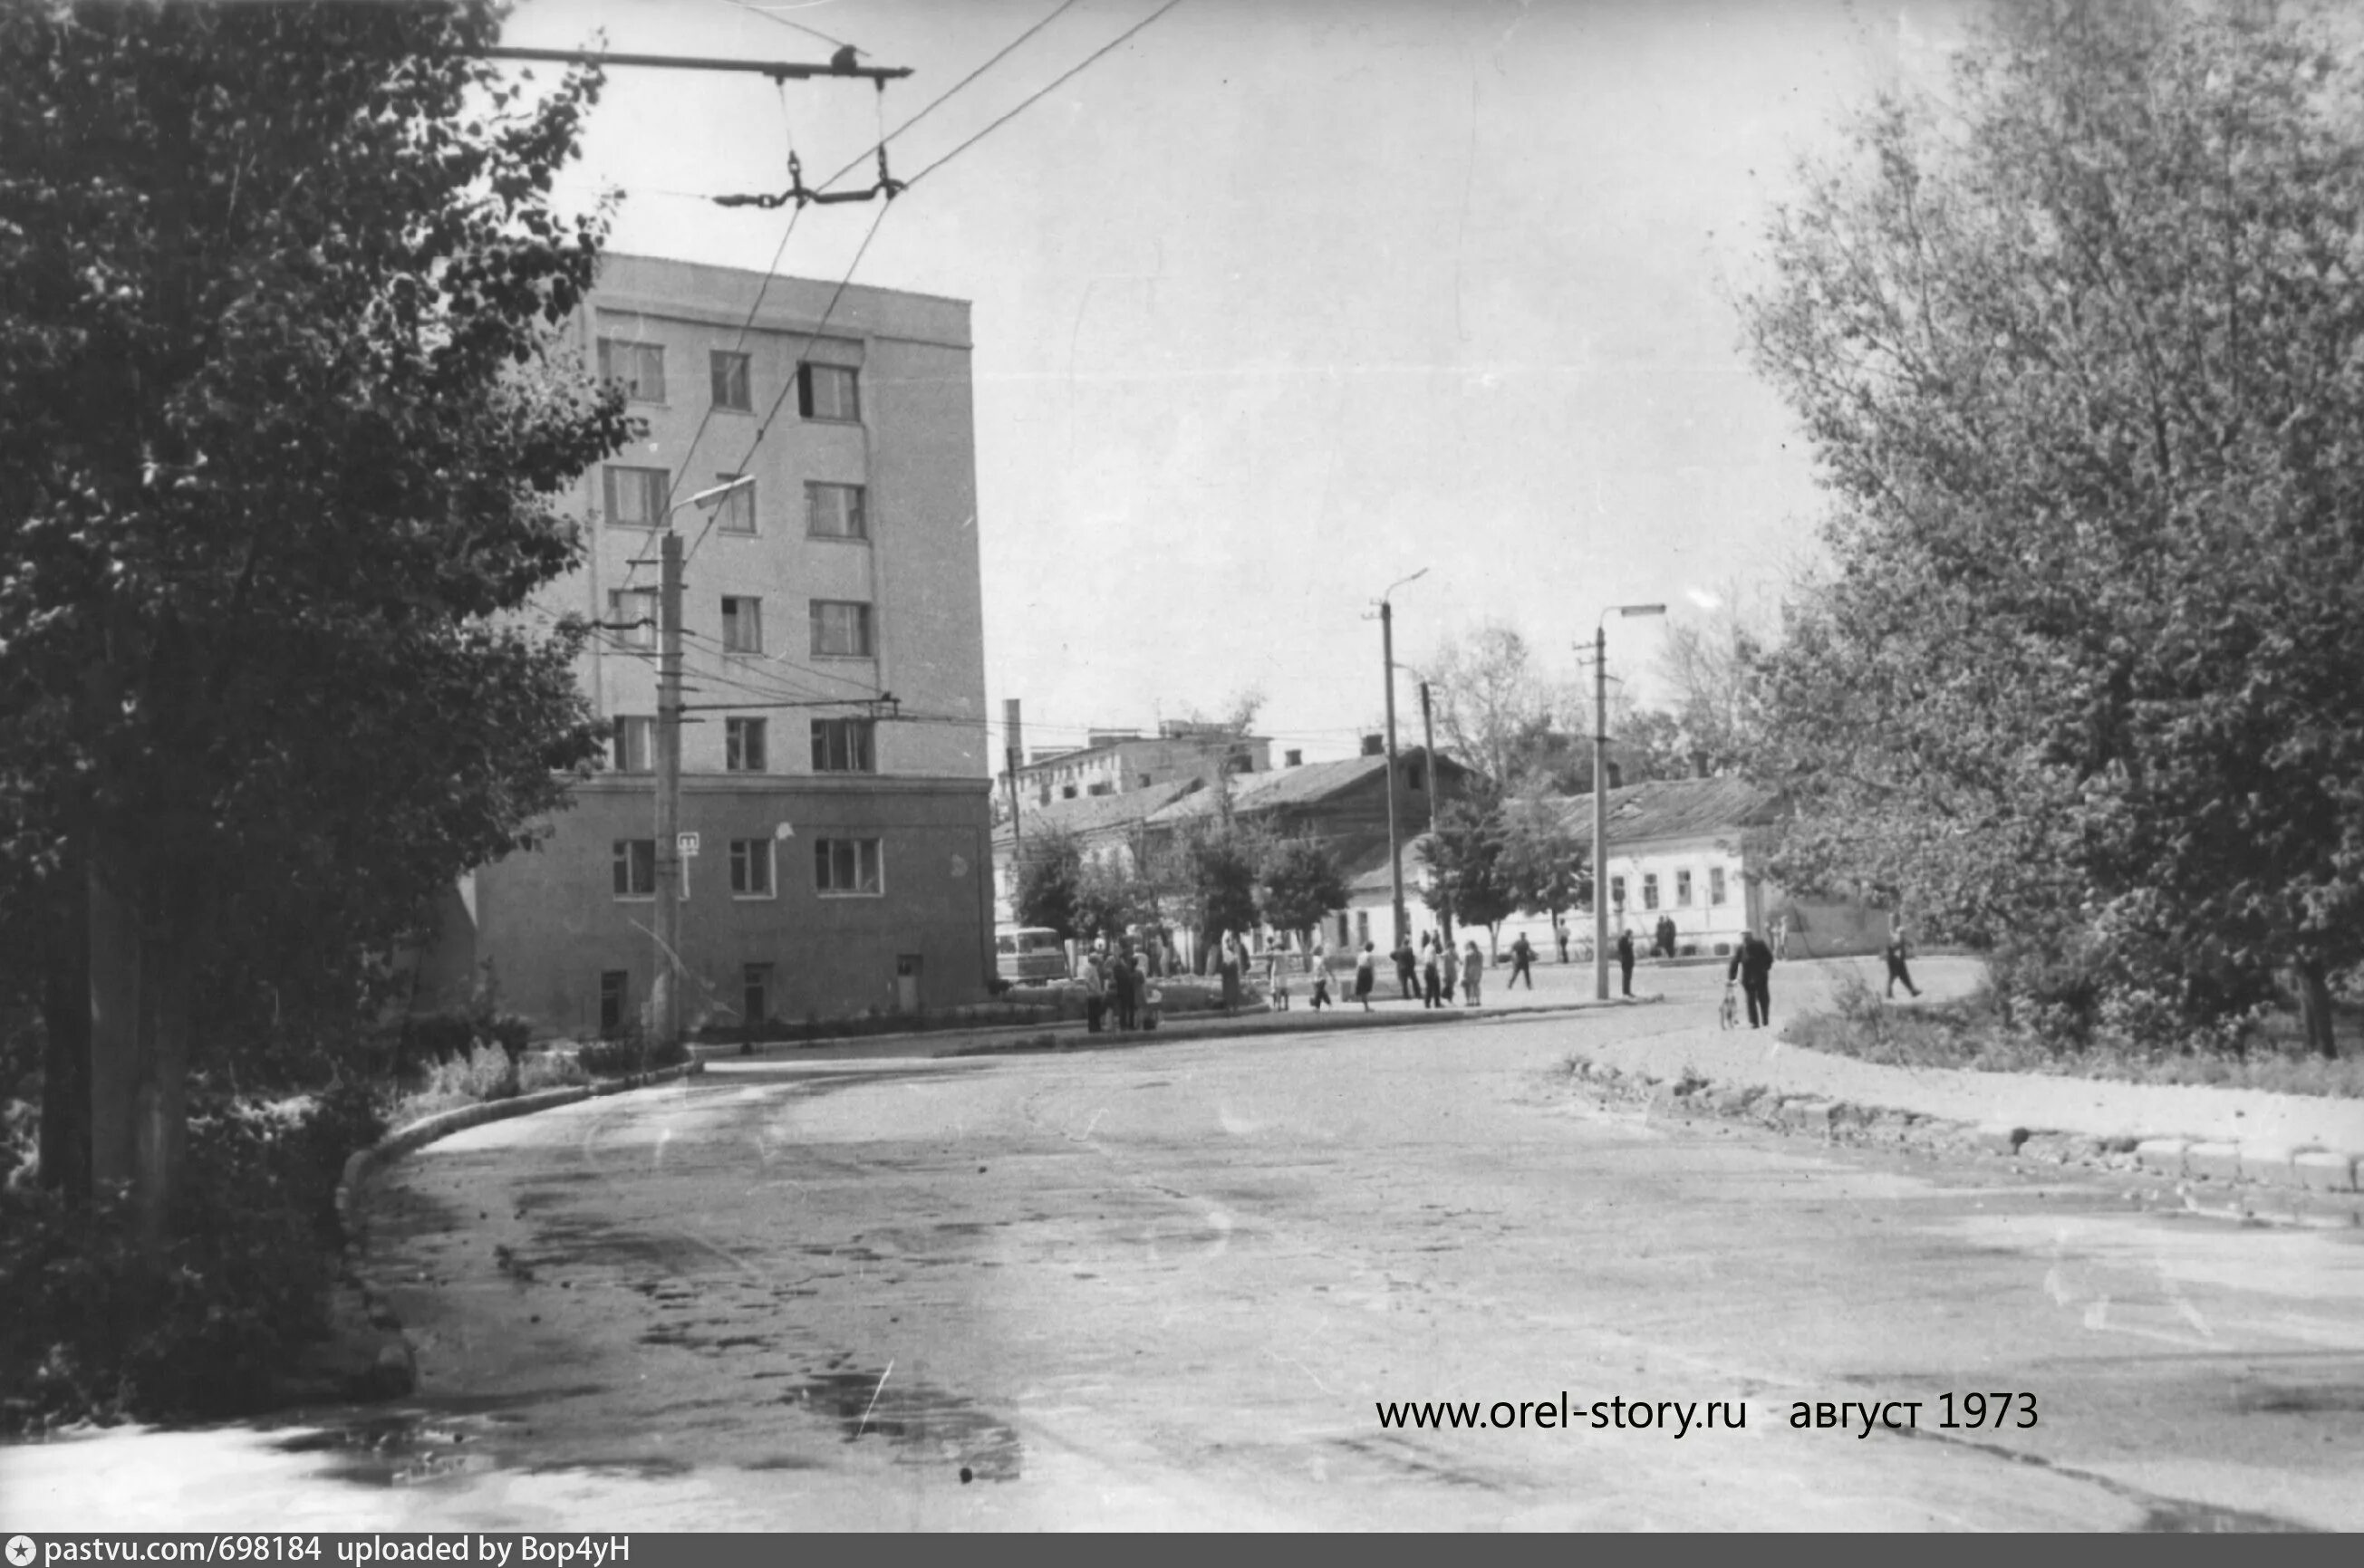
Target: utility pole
664	997
1600	811
1014	752
1395	843
1395	839
1435	788
1601	789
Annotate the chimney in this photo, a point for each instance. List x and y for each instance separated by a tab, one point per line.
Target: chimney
1374	745
1292	759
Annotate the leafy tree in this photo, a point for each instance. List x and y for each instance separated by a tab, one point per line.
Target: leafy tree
1110	897
286	443
1500	716
1545	856
2078	356
1050	883
1300	883
1207	867
1470	878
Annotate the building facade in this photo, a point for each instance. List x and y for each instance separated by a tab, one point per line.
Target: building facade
1118	763
841	856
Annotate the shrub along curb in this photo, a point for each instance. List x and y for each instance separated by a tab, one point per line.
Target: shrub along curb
2259	1183
396	1370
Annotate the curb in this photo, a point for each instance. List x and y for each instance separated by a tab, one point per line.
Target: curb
2255	1182
395	1371
1249	1026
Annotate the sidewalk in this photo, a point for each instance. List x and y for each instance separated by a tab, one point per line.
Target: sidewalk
2175	1133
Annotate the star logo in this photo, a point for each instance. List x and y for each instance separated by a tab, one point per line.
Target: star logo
20	1550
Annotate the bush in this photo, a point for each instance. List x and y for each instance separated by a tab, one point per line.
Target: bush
620	1057
550	1070
95	1329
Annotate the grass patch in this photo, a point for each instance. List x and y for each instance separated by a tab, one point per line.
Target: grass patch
1970	1035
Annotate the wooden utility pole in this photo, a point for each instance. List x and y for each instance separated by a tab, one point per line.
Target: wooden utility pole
1435	788
664	996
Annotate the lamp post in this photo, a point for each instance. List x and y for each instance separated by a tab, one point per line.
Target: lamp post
664	991
1395	844
1601	789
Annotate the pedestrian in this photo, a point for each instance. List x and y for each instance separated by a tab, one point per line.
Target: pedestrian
1753	967
1405	964
1781	935
1472	970
1227	965
1095	990
1625	958
1365	974
1666	943
1432	983
1276	977
1125	987
1450	962
1898	950
1320	989
1522	957
1559	929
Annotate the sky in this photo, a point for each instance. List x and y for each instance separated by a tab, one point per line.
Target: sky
1282	301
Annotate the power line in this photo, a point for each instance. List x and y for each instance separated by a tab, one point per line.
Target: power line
1030	100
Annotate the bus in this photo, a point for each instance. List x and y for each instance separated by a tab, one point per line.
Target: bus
1024	953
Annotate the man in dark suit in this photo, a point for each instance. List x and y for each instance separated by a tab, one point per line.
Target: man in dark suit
1625	959
1752	965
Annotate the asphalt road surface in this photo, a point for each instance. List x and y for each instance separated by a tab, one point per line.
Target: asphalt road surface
1172	1286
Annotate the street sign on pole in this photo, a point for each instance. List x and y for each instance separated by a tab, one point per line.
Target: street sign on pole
688	845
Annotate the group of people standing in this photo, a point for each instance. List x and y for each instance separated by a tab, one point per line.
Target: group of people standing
1118	983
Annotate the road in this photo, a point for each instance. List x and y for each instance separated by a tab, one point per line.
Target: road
1169	1285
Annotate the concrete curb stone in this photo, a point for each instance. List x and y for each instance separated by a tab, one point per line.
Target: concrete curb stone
2259	1183
395	1372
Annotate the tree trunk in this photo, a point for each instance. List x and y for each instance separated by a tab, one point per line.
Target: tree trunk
65	1020
2314	1007
139	1001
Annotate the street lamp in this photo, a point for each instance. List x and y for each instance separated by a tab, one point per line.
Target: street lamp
664	991
1601	789
1395	845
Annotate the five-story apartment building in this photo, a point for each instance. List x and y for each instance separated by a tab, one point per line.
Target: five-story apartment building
842	861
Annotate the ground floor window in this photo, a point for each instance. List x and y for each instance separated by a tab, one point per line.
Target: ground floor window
1683	890
615	993
847	868
635	864
1617	893
1649	890
756	992
1715	884
751	868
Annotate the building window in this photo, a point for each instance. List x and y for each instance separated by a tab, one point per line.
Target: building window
1344	936
1617	893
728	371
636	868
635	743
1683	890
737	508
1067	792
615	997
751	868
742	746
639	366
828	391
846	868
1649	890
756	992
840	629
1103	787
836	511
632	616
1715	884
636	497
845	746
1362	928
1415	773
742	625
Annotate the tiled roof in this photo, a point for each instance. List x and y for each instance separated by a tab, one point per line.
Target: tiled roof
1099	813
1674	808
1305	784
